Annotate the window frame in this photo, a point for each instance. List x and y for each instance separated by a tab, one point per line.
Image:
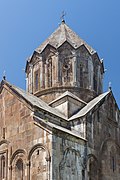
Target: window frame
37	80
5	154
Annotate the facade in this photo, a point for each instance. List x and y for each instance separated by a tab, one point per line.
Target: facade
63	127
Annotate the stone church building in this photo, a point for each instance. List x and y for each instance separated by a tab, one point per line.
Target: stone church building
63	127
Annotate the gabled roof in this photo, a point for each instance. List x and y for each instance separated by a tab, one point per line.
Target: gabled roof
57	127
62	34
69	94
37	102
89	106
32	100
68	104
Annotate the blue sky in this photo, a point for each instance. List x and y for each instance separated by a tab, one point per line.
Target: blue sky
25	24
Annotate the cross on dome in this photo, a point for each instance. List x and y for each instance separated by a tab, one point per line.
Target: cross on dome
63	16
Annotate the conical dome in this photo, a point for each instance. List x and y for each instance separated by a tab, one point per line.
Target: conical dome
62	34
64	62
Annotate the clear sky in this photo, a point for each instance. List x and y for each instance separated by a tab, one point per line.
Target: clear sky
25	24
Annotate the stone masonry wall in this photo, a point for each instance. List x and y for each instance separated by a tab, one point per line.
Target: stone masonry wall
67	153
24	147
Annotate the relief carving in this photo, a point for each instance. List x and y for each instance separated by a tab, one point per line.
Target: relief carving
67	70
70	165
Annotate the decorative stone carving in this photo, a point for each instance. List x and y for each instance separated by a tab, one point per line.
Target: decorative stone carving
70	165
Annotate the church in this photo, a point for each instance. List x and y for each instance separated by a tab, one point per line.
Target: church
63	127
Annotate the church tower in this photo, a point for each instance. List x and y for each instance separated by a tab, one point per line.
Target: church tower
64	62
64	126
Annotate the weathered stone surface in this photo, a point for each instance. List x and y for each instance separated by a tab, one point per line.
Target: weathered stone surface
21	141
67	66
76	134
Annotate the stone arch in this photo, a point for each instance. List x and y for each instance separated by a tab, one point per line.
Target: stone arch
4	141
106	141
4	145
17	156
39	145
109	159
70	164
39	162
92	167
4	154
14	155
91	156
70	149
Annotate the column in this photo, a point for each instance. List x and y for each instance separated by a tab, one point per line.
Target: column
42	84
74	69
46	76
57	69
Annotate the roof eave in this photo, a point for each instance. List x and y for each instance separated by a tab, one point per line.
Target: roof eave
84	114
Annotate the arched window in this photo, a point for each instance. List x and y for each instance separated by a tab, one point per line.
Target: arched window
111	110
36	80
49	68
2	167
90	73
66	70
19	170
92	167
112	159
30	89
95	77
81	75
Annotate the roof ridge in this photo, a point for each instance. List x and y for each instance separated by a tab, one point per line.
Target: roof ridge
33	100
60	35
90	105
68	93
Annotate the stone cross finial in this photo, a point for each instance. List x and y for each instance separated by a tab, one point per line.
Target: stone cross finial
110	86
4	75
63	16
